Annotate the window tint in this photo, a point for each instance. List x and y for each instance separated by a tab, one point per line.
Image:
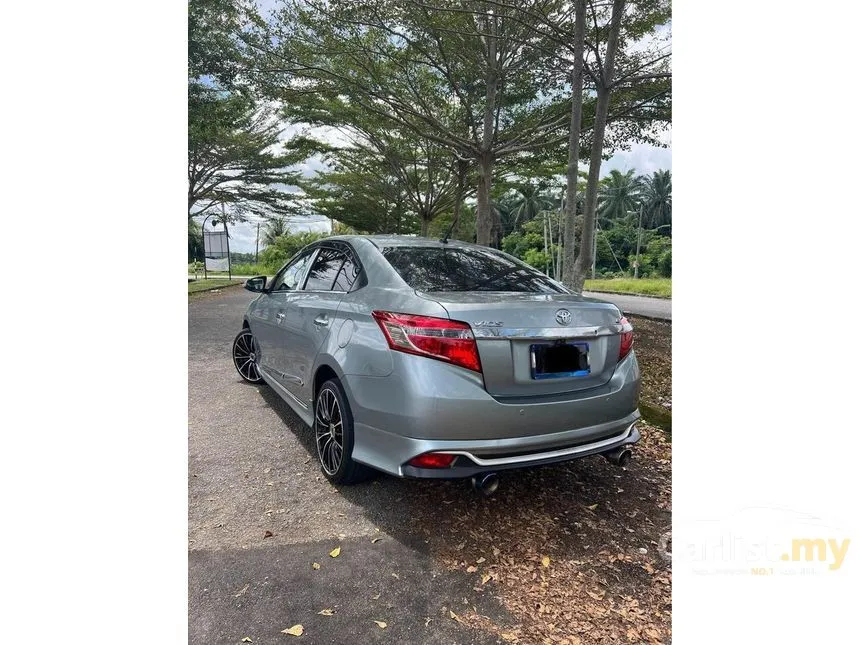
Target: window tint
465	269
346	276
324	270
291	277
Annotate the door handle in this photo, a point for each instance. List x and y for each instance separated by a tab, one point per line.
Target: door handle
321	321
280	316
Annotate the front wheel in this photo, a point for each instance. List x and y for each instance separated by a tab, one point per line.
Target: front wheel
333	430
245	356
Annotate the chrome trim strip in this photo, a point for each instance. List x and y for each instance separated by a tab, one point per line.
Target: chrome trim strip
507	333
271	381
522	459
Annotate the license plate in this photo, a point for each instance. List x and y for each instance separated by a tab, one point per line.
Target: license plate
559	360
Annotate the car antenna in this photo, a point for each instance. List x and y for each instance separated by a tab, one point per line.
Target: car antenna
444	238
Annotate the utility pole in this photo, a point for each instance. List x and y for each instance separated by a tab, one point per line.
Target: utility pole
257	251
545	249
638	242
229	264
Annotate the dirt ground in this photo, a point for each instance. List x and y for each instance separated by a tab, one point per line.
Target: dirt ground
571	553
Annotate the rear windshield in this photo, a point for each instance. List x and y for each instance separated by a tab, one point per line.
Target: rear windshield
465	269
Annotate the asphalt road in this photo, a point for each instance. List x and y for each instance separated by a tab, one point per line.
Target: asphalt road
253	470
660	308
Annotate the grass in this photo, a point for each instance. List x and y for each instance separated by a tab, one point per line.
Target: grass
212	283
238	269
659	287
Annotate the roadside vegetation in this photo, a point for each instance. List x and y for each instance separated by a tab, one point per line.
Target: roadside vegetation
657	287
198	286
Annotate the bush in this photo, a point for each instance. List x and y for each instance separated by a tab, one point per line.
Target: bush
664	264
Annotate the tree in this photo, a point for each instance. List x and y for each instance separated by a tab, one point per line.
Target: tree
621	81
275	228
618	195
361	191
469	76
529	202
657	198
235	156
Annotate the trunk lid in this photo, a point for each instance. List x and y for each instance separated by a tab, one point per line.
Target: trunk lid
511	328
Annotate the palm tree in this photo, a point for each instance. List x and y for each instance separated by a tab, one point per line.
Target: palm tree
275	227
528	203
619	194
504	211
657	199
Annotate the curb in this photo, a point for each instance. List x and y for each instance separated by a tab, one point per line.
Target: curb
210	289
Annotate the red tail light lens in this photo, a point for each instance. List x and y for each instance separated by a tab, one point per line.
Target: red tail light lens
626	338
446	340
432	460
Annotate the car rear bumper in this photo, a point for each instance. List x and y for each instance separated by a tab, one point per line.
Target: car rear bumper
473	460
412	412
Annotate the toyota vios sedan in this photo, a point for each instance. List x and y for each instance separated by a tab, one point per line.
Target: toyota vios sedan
425	358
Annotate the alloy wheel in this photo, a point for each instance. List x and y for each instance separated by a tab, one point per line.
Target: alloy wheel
328	425
245	353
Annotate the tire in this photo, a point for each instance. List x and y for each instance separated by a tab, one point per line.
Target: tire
245	353
334	436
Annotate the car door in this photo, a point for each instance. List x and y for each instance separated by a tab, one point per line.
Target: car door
310	318
269	313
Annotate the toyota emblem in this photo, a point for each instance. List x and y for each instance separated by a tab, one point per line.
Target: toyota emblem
562	316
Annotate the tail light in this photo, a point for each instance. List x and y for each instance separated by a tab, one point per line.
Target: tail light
626	338
451	341
432	460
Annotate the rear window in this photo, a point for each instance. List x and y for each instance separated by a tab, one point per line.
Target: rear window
465	269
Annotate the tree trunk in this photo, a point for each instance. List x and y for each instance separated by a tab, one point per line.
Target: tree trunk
573	143
604	89
487	228
425	224
487	223
462	170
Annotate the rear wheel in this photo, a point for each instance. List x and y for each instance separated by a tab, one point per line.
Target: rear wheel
333	430
245	354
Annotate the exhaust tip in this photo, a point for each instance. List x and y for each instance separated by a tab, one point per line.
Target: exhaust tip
486	483
619	456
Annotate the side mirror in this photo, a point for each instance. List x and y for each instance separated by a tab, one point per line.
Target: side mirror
256	284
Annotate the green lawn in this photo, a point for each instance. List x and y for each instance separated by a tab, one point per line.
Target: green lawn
212	283
660	287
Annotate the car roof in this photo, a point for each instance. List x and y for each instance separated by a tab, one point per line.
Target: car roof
380	241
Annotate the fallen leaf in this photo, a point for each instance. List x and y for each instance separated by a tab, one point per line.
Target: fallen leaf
496	551
326	612
480	560
375	540
485	578
295	630
456	617
592	507
241	591
509	637
376	597
396	576
545	561
471	569
381	623
247	639
335	552
597	596
267	534
316	565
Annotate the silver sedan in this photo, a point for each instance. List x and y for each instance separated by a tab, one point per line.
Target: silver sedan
424	358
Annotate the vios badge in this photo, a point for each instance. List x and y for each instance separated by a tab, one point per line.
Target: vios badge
562	317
